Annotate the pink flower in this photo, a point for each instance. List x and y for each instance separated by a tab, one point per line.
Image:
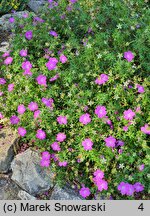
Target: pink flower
14	119
53	33
60	137
25	15
102	184
48	102
84	192
141	167
33	106
45	163
102	79
41	134
28	35
85	119
26	65
129	114
100	111
146	129
126	189
2	81
138	187
27	72
21	109
23	53
63	59
130	189
5	54
55	146
8	60
125	128
1	116
62	120
87	144
99	174
46	155
22	131
54	78
128	55
11	19
36	114
140	88
10	87
64	164
110	142
41	80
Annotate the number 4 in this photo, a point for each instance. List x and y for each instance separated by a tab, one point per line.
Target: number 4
141	207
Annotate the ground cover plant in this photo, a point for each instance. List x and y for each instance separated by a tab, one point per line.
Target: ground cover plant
10	5
76	85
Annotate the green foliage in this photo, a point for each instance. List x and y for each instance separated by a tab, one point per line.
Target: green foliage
116	27
7	6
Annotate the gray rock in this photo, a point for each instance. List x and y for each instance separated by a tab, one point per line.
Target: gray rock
4	20
23	195
4	46
8	139
8	189
28	173
36	6
65	193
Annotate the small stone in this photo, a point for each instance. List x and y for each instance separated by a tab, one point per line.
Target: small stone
35	5
65	193
8	140
28	173
23	195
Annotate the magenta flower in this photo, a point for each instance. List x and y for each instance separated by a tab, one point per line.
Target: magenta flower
52	63
64	164
21	109
99	174
41	80
140	89
2	81
1	116
73	1
1	93
129	114
54	78
26	65
23	53
63	59
36	114
60	137
62	120
102	79
11	19
53	33
10	87
22	131
87	144
14	119
84	192
146	129
110	142
25	15
100	111
8	60
122	187
28	35
141	167
125	128
45	163
48	102
128	56
27	72
46	155
6	54
130	189
85	119
41	134
55	146
102	184
119	143
33	106
138	187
